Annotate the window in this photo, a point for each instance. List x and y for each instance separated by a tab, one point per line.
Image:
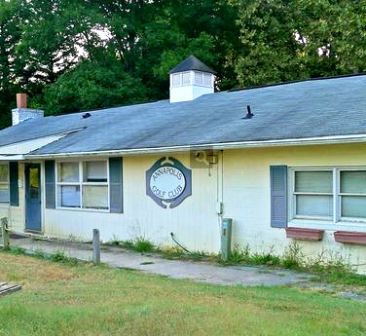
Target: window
198	78
69	184
176	80
95	185
336	194
4	183
191	78
83	184
207	80
203	79
313	194
353	194
186	78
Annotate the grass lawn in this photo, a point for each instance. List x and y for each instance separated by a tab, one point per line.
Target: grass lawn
61	299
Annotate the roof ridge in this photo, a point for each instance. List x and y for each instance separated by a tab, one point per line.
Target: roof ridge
359	74
101	109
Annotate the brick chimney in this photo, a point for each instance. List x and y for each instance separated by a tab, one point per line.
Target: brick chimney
22	113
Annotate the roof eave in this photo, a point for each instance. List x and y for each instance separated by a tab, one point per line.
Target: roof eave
193	69
328	140
16	157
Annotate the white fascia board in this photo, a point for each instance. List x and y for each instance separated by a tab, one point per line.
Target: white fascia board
11	157
27	146
341	139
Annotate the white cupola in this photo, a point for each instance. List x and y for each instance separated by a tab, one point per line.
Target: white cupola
191	79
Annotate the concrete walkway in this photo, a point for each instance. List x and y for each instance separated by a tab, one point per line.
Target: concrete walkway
177	269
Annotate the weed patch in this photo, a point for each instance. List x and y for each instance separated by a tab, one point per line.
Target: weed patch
58	256
17	250
293	256
143	245
244	256
327	266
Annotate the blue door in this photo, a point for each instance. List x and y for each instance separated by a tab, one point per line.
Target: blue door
33	197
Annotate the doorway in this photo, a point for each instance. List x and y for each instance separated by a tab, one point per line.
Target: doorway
33	221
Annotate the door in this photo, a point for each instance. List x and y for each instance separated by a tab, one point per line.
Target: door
33	197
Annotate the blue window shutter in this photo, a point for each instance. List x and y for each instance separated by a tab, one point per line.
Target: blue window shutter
50	184
278	196
116	184
14	188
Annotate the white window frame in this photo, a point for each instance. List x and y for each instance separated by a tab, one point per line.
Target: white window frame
293	194
336	221
81	183
7	183
339	195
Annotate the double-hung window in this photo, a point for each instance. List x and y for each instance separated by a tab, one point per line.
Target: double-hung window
68	178
83	185
95	185
331	194
352	194
313	194
4	183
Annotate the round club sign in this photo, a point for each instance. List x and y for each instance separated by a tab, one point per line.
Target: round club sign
168	182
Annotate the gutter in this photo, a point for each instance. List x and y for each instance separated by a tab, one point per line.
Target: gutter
342	139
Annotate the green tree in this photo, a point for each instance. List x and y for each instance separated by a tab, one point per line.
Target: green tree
55	37
287	40
271	50
93	84
10	35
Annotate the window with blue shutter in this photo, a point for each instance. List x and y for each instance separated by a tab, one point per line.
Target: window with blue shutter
14	188
50	184
278	176
116	185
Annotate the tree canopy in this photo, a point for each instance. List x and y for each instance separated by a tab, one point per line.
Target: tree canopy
83	54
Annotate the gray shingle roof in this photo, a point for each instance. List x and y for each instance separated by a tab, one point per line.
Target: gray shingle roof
314	108
191	63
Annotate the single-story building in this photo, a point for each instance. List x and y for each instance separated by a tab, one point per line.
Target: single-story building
284	162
